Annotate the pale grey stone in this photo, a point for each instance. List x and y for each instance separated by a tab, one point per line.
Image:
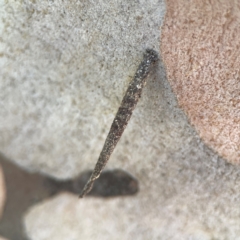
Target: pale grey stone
65	66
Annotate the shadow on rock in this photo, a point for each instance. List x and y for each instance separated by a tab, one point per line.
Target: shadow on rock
25	189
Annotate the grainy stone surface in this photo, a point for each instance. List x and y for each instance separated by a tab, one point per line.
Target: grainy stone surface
67	65
123	115
65	68
200	48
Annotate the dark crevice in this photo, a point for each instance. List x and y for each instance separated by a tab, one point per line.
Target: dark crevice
25	189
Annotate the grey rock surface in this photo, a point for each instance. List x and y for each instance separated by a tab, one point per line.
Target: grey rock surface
65	68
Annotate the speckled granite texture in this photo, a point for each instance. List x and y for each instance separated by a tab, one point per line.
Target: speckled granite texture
203	68
65	68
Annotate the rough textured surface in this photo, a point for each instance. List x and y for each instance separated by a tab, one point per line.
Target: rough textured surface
67	66
123	115
201	51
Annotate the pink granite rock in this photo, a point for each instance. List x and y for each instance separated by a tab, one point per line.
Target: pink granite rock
201	50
